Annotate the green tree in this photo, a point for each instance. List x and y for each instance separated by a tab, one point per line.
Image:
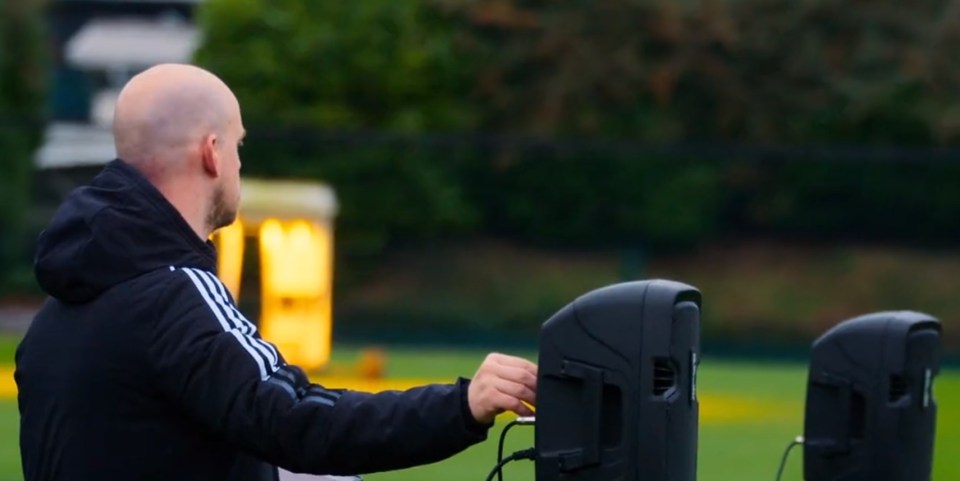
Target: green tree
652	71
22	94
744	70
299	66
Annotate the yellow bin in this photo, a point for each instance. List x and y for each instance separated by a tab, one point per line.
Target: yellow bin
291	223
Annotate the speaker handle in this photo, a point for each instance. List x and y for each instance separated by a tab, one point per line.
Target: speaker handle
592	397
841	442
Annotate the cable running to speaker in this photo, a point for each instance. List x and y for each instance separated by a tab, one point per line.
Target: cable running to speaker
522	454
520	421
798	441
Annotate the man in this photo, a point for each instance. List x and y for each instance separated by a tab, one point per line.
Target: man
139	365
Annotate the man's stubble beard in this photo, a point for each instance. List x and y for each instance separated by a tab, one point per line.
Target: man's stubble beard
221	214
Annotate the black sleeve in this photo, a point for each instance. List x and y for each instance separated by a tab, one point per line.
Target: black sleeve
211	362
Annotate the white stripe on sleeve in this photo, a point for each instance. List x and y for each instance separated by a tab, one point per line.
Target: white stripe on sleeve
238	321
257	356
244	323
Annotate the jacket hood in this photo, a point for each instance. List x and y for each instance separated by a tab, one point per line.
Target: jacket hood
113	230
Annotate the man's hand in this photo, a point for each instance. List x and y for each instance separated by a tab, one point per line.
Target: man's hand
502	383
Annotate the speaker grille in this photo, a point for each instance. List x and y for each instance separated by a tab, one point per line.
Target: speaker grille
898	387
664	377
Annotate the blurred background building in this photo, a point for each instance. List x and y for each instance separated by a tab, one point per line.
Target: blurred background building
97	46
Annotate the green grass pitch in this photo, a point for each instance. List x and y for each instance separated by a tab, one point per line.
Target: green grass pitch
749	412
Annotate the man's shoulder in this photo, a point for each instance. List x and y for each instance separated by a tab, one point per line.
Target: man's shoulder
175	276
152	280
158	288
184	289
194	281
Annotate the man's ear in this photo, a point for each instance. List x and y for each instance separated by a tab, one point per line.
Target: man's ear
209	155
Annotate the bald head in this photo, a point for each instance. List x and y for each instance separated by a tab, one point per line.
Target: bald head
164	114
180	126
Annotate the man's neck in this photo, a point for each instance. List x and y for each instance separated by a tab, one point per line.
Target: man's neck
190	206
180	191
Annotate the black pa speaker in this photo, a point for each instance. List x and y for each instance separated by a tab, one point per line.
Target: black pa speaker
870	412
616	392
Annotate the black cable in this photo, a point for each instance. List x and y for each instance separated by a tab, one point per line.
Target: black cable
503	435
783	461
522	454
520	421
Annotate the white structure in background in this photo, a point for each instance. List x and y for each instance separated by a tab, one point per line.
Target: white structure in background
115	49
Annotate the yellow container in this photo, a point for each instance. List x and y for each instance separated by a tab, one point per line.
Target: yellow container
291	223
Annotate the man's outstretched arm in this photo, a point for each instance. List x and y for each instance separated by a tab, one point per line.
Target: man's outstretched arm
210	361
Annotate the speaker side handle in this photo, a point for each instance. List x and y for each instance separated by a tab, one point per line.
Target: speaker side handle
841	443
592	397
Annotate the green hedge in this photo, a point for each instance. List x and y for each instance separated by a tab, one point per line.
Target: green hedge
905	202
586	198
748	71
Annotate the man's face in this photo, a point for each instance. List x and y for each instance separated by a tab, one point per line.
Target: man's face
226	195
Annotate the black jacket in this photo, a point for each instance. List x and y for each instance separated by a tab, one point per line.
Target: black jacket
140	366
